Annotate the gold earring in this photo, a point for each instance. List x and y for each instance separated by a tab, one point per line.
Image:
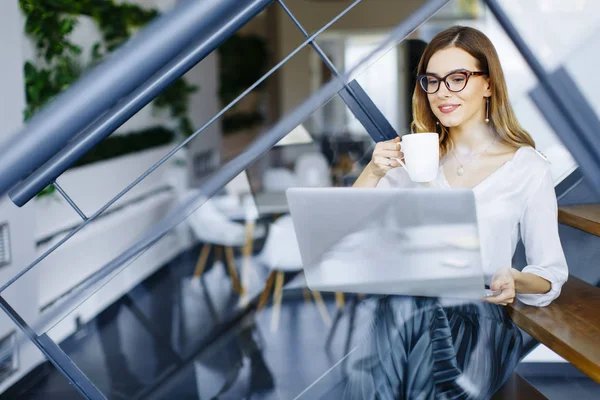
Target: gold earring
487	110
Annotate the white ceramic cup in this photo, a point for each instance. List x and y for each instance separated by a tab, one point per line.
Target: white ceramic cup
421	156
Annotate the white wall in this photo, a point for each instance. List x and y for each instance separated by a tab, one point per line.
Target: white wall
21	222
12	102
12	98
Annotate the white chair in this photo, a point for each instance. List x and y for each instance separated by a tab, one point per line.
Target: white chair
312	170
281	255
213	228
278	180
239	186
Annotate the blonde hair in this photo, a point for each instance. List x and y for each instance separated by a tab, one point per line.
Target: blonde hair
501	115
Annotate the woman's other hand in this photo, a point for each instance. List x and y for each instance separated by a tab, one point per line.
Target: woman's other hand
384	157
503	281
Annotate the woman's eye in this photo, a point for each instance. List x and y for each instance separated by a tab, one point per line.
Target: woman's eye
458	79
432	81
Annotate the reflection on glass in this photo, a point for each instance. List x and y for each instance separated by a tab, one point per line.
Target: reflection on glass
416	347
298	136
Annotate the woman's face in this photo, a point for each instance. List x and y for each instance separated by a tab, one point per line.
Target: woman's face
458	109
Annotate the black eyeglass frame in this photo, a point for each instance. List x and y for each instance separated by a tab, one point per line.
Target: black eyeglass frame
467	74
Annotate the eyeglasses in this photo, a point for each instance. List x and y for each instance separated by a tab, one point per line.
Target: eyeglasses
455	81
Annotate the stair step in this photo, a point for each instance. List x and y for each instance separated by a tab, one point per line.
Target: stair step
517	388
570	326
585	217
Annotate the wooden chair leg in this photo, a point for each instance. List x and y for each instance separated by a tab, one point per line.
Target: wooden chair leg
249	244
339	300
246	261
322	309
201	264
218	253
277	296
275	217
262	301
306	293
237	288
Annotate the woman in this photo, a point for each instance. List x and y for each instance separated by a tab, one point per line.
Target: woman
419	347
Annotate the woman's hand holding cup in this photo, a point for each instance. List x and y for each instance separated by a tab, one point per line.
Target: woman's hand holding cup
384	157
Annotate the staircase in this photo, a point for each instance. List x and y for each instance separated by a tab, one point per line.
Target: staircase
570	326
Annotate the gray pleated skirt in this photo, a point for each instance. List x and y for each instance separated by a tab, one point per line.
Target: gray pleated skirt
423	348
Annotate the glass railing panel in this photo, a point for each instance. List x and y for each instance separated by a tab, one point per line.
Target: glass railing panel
565	51
159	308
573	25
159	311
331	131
17	251
25	373
566	47
542	367
298	328
83	251
70	260
579	65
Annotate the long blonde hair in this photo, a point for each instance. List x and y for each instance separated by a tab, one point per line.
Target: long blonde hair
502	117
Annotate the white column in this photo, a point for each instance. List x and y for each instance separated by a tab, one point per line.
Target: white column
12	97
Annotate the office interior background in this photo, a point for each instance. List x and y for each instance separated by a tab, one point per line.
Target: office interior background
189	317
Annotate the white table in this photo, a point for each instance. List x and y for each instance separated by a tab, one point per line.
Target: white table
266	204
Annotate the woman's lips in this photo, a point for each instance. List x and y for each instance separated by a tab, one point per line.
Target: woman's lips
448	108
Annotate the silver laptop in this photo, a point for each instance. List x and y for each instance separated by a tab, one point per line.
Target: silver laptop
420	242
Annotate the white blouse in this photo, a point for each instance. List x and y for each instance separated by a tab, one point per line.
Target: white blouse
517	201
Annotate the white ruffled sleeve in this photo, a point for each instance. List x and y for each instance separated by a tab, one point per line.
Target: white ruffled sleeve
539	233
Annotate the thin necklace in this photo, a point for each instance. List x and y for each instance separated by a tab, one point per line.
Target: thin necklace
460	170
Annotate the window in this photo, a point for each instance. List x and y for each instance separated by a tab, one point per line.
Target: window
205	162
379	78
8	356
4	245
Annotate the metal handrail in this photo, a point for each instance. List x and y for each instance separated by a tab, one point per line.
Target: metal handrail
103	87
130	105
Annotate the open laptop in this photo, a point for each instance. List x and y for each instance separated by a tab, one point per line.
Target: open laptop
420	242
